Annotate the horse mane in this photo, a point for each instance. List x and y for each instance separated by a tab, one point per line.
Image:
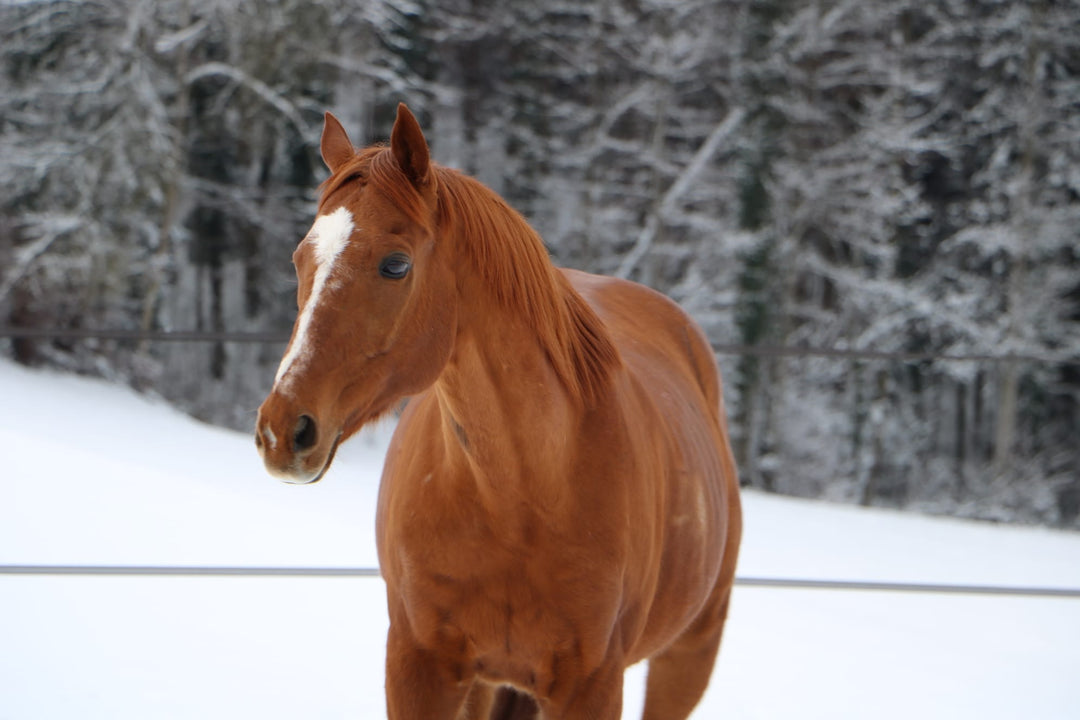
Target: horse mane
514	263
511	258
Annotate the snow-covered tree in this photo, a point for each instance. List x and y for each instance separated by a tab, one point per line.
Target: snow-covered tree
894	177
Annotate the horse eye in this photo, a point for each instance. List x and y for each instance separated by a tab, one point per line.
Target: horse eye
395	266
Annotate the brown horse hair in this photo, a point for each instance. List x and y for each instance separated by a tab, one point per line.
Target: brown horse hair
511	258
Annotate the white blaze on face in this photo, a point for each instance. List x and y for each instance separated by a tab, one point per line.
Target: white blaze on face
328	237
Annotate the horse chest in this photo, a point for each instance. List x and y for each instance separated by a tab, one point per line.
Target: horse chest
507	626
508	600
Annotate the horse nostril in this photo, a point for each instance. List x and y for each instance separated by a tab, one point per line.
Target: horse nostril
304	436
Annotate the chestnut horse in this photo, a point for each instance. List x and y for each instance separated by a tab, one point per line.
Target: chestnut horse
559	500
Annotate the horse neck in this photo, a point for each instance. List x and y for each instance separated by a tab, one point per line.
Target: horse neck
529	354
506	415
503	265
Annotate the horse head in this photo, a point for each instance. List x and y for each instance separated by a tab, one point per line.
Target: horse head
375	297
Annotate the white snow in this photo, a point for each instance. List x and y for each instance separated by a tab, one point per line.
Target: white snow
94	474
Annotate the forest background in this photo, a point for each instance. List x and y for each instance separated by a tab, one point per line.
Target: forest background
873	209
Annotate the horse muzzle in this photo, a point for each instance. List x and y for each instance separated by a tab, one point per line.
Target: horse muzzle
295	447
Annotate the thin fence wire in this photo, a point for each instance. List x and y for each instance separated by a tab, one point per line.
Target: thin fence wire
167	336
762	350
371	572
255	337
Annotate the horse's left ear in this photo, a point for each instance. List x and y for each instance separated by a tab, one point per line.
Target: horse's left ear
335	146
409	146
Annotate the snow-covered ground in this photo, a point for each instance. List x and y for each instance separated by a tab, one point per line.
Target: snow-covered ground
94	474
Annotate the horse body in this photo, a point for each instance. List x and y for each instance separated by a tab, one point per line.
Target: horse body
559	499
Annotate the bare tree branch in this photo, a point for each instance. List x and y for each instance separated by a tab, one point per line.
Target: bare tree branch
51	228
264	91
678	188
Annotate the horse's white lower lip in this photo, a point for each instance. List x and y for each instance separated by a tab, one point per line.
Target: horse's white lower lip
291	480
291	477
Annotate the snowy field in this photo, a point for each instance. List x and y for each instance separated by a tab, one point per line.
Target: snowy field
94	474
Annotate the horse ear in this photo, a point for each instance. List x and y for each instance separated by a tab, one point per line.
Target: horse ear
335	147
409	146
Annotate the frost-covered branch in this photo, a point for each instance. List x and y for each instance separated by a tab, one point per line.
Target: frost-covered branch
49	229
261	89
678	188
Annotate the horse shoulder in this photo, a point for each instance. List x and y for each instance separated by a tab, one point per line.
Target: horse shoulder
406	491
648	324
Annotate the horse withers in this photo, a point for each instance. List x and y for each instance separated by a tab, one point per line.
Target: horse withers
559	499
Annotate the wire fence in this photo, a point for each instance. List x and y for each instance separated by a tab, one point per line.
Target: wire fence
272	336
758	350
370	572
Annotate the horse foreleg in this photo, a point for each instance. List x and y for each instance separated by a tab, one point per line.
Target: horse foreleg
597	697
420	686
478	702
679	675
